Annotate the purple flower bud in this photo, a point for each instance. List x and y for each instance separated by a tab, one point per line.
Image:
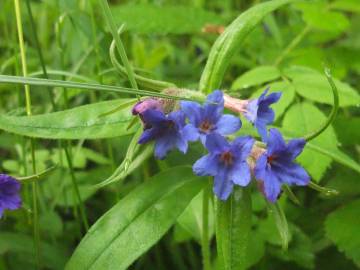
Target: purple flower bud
9	193
147	104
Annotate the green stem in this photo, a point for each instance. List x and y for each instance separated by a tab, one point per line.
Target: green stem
293	44
76	189
233	227
143	81
36	230
334	110
38	48
205	244
195	96
119	44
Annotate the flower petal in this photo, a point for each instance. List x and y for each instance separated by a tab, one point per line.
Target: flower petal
295	147
243	145
206	165
216	97
272	186
291	173
240	174
228	124
216	143
148	135
153	116
271	98
192	110
260	167
275	142
251	111
190	133
182	144
223	186
163	145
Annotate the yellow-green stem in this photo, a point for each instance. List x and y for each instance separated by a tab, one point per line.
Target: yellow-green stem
28	111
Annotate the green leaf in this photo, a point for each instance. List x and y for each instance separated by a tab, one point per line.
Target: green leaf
17	243
281	223
191	220
230	42
287	96
233	228
342	227
82	122
317	88
137	222
346	5
256	76
155	19
302	119
319	17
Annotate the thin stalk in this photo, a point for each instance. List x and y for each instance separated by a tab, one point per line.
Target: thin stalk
292	45
95	42
91	86
334	110
76	189
36	230
119	45
38	48
205	244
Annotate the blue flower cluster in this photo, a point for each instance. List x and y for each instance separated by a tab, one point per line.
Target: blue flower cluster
227	161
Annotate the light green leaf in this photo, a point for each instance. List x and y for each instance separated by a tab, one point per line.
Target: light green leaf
346	5
342	227
230	42
317	88
79	123
191	219
302	119
319	17
287	96
256	76
137	222
156	19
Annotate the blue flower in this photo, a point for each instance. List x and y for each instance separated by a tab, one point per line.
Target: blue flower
209	118
276	165
168	131
259	113
9	193
226	162
144	105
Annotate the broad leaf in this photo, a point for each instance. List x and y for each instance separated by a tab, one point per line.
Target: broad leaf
84	122
137	222
317	88
342	227
305	118
256	76
155	19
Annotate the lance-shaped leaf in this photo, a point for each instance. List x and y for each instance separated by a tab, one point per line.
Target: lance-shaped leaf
137	222
84	122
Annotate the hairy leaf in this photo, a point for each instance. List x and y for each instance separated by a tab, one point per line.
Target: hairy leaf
136	222
82	122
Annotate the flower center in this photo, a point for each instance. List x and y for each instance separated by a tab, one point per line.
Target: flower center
271	158
227	158
205	126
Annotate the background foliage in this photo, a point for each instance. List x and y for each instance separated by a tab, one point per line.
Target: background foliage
171	40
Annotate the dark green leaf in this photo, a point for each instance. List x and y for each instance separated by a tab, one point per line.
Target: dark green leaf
137	222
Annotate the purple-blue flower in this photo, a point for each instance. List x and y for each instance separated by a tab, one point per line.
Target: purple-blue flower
209	118
259	113
276	165
226	162
9	193
144	105
168	131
